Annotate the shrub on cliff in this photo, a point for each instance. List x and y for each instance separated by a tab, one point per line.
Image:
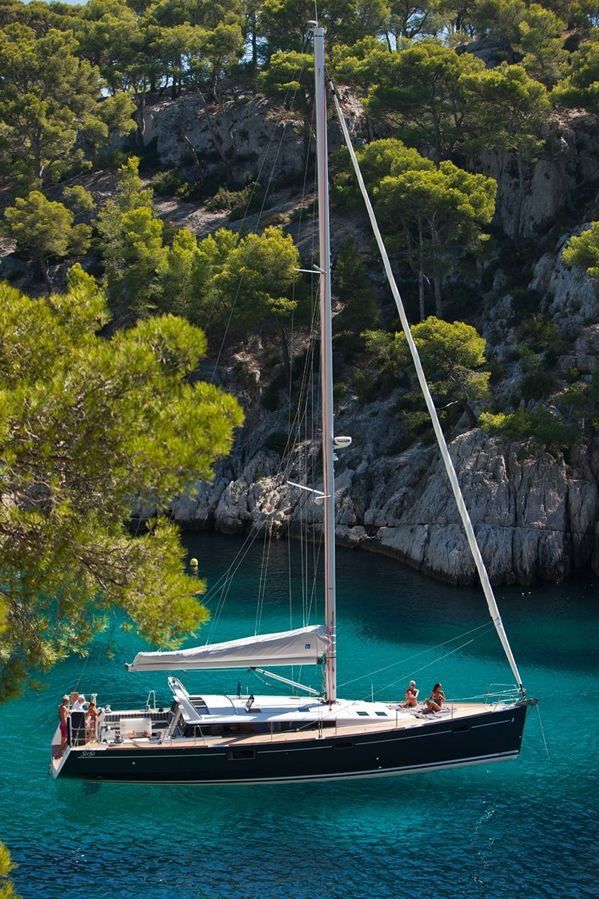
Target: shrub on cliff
540	424
452	356
583	250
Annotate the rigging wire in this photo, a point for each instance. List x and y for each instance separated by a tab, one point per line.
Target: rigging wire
442	443
480	627
543	734
294	91
428	665
224	582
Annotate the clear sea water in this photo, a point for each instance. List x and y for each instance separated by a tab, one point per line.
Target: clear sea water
523	828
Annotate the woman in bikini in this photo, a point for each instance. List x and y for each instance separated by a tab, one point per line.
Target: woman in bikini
63	723
90	722
411	696
435	700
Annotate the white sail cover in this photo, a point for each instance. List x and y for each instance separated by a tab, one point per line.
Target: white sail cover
304	646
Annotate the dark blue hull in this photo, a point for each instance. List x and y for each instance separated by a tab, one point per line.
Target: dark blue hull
485	737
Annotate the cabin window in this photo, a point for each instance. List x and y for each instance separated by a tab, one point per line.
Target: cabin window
381	714
363	714
234	755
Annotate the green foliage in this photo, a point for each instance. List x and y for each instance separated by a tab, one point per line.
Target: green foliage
452	356
78	199
88	427
580	402
440	211
176	273
579	87
44	228
353	287
7	890
540	424
435	215
583	250
132	247
168	184
541	43
366	384
419	91
531	29
6	863
410	19
511	109
237	202
443	102
50	102
379	159
284	23
171	184
246	280
540	334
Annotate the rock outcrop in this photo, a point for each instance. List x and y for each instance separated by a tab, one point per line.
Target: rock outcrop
530	197
536	514
250	134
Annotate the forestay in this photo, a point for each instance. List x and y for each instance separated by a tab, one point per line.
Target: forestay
442	443
303	646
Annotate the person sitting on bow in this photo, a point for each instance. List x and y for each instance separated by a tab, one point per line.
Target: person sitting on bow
411	696
435	700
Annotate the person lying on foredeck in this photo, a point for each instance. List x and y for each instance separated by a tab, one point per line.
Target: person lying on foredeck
435	700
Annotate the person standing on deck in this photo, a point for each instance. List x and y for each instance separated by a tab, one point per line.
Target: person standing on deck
63	723
90	722
77	717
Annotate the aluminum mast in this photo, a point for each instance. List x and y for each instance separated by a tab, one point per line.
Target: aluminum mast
326	363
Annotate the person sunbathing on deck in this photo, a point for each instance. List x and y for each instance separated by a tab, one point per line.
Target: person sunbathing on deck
435	700
411	696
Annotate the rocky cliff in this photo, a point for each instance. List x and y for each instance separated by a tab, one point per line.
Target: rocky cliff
535	511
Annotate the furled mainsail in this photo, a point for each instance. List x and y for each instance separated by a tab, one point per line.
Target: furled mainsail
304	646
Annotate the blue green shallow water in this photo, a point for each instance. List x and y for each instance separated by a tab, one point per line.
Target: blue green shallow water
519	828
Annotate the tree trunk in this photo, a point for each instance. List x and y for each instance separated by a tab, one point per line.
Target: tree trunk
40	267
254	40
438	297
470	414
420	275
140	117
286	357
518	224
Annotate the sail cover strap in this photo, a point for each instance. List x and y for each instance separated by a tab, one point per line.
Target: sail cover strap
304	646
449	467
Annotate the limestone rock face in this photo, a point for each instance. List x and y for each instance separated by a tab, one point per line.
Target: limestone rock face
258	136
535	512
531	196
535	515
570	297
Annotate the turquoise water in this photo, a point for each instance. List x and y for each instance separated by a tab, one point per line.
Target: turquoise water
517	828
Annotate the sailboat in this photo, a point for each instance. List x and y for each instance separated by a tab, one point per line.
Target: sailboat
247	739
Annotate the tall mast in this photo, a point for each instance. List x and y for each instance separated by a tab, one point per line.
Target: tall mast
326	363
